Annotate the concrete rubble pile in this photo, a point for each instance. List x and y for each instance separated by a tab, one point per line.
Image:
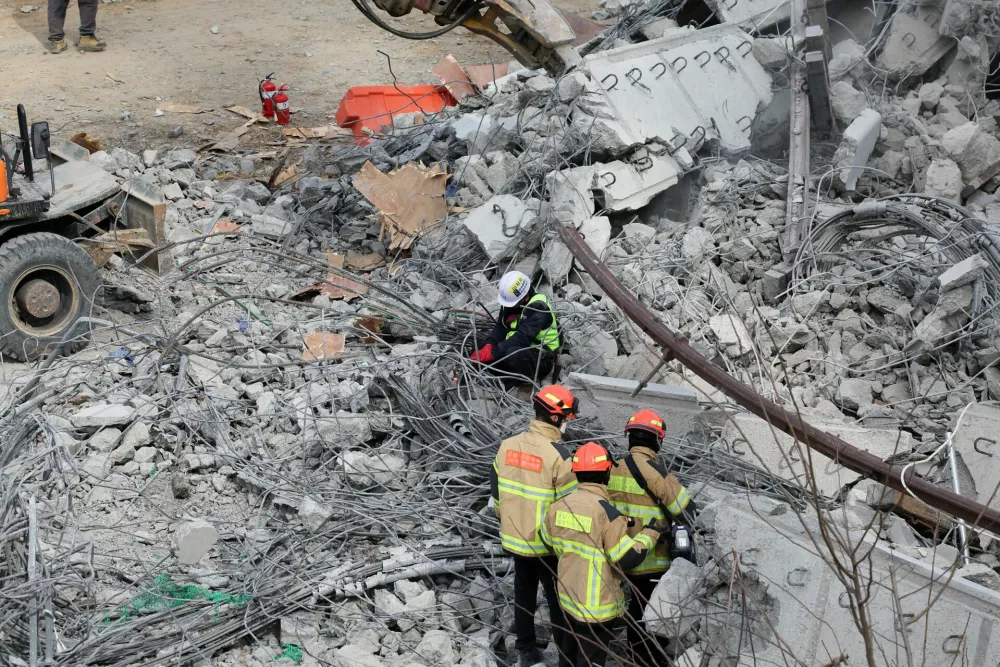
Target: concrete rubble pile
278	453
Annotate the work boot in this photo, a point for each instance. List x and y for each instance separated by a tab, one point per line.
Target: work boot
91	43
57	47
530	658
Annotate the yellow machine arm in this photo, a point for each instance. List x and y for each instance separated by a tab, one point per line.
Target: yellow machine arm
533	31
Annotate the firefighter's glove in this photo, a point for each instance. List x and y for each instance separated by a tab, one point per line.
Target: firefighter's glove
484	355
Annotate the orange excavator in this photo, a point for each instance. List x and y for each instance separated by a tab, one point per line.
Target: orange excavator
48	279
533	31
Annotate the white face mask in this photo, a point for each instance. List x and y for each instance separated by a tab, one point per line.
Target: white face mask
562	429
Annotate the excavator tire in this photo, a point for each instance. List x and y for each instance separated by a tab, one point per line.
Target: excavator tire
47	283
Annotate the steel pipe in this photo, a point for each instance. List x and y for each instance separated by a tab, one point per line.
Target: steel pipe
861	462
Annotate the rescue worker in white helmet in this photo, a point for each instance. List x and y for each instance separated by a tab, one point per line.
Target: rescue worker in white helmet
525	339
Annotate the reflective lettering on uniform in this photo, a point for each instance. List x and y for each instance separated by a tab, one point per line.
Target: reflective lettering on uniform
523	460
583	524
625	484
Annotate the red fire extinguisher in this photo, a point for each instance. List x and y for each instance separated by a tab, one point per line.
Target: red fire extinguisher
266	89
281	111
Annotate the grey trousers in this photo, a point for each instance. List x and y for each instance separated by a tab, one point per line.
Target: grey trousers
57	18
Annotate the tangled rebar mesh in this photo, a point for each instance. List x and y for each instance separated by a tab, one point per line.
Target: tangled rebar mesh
390	441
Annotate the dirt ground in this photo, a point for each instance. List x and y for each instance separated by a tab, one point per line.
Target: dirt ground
164	51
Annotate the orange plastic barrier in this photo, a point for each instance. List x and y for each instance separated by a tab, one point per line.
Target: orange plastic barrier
373	107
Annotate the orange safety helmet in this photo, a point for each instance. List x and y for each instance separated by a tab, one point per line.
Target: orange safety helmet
557	400
646	420
591	458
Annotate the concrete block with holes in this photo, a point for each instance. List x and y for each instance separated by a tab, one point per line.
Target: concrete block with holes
686	88
759	444
796	605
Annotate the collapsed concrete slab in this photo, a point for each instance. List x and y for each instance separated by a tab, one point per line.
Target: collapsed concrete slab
913	45
686	88
611	401
976	443
761	445
799	606
752	13
630	186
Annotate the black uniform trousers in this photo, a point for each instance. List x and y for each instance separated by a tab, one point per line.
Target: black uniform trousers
530	362
586	644
528	573
648	650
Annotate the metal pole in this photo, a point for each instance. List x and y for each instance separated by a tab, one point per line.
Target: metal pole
828	445
652	374
963	537
33	600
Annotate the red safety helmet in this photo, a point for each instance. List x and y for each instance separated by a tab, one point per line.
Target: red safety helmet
646	420
557	400
591	458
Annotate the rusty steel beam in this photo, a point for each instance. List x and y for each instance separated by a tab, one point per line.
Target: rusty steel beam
831	446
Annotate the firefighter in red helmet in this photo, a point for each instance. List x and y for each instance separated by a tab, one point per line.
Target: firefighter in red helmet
595	544
642	489
532	470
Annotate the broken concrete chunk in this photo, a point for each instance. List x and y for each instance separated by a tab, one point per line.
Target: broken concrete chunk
913	45
848	103
963	273
597	233
556	261
929	95
972	149
731	331
771	52
103	414
630	186
314	514
270	226
854	393
674	606
193	539
504	225
944	179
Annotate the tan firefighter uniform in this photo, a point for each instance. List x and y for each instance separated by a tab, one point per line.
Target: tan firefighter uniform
591	537
530	472
629	498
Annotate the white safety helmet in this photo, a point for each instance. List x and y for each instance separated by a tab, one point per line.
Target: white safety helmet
512	288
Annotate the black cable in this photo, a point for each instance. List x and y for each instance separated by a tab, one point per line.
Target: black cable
365	9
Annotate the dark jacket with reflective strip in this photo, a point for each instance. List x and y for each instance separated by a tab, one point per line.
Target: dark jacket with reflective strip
534	325
594	547
628	498
530	472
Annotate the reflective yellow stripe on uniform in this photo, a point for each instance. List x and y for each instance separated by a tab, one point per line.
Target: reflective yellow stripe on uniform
547	338
652	563
592	614
640	511
523	547
526	490
627	543
682	501
566	489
